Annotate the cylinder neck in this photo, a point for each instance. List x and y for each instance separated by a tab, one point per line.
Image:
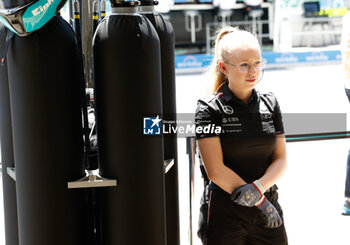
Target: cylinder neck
125	10
146	9
76	7
95	7
124	3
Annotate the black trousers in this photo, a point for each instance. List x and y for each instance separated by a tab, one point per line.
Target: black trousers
223	222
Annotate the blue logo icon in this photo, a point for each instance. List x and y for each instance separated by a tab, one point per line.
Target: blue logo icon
151	125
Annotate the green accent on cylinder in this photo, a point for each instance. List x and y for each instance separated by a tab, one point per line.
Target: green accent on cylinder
38	14
4	21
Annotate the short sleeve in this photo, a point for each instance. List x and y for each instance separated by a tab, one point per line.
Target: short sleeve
207	120
278	122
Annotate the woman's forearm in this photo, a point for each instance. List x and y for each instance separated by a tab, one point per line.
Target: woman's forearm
273	173
225	178
278	165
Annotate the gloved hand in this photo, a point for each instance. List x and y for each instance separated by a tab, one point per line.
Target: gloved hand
249	194
270	213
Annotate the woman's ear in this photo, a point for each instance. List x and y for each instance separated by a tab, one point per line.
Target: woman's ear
223	67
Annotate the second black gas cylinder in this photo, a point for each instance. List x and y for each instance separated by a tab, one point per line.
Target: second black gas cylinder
166	35
126	52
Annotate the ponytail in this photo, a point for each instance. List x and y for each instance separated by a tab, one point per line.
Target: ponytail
216	77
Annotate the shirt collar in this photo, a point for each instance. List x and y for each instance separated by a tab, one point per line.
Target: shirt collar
229	96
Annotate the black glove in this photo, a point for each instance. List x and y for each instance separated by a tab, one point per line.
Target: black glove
270	213
249	194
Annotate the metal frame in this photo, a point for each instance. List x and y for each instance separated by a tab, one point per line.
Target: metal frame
92	179
191	151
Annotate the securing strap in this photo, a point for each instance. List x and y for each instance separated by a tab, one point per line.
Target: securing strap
9	36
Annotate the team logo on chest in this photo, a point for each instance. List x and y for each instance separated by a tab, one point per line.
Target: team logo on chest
202	107
265	112
263	108
230	119
228	109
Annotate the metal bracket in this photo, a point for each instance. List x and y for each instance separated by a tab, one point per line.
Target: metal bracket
168	164
91	180
11	172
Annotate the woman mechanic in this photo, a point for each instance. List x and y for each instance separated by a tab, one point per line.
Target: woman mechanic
244	160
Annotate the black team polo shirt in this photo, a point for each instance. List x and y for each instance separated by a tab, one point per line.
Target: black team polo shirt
248	131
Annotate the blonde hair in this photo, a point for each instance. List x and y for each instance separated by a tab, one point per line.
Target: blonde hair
227	39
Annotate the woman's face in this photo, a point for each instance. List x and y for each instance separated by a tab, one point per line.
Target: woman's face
242	68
